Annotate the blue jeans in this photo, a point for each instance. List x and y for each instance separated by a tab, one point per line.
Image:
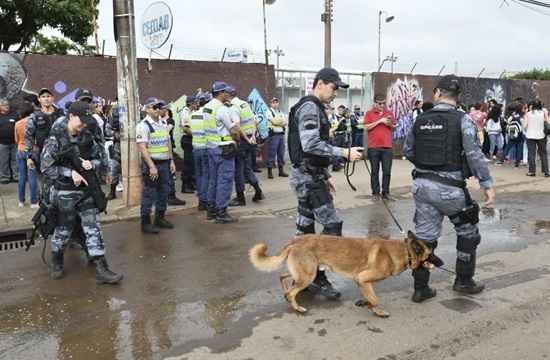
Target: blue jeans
25	175
515	150
357	139
201	173
220	179
276	149
495	141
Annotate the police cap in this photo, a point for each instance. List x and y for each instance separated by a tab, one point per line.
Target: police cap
83	110
83	95
219	86
231	90
152	101
330	75
449	83
191	99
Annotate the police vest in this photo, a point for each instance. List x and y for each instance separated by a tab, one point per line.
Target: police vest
210	111
295	150
246	115
438	140
43	123
158	141
196	124
274	128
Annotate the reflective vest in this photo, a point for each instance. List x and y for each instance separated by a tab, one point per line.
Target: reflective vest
274	128
210	111
159	141
196	124
246	115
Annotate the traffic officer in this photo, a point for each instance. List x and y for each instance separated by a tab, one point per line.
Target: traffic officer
69	194
157	165
357	127
243	164
220	130
310	154
445	150
188	177
277	124
200	153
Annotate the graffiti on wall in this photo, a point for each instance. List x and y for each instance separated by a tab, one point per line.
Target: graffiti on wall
13	76
400	99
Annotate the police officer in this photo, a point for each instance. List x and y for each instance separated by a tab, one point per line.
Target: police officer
157	165
357	126
188	177
96	128
220	130
200	153
243	164
340	135
70	195
277	124
310	154
112	149
445	150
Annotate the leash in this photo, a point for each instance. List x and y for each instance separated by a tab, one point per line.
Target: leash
349	173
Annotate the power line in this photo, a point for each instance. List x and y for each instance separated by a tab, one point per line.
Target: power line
535	2
538	11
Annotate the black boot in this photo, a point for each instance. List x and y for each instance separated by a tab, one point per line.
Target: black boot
223	217
211	213
162	223
282	172
258	195
186	186
103	274
422	291
322	286
202	206
269	173
112	193
239	200
333	229
465	270
147	227
56	267
174	201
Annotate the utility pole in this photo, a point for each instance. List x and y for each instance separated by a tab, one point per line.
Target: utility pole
387	20
327	18
128	98
279	52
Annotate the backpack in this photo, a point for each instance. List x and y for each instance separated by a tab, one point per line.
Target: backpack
513	130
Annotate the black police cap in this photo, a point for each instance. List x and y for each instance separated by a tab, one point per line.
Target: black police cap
331	75
449	83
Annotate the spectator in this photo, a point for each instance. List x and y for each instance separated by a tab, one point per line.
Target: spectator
418	104
8	150
25	174
514	133
494	130
379	123
479	117
536	138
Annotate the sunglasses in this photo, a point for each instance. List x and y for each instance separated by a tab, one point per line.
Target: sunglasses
380	103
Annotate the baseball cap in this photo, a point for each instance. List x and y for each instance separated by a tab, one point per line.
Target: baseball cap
219	86
152	101
331	75
449	83
44	90
82	94
83	111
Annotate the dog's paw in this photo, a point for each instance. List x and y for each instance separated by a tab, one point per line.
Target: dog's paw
361	303
380	312
300	310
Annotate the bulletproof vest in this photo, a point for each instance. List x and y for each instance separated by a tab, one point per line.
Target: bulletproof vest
296	153
86	144
342	126
438	140
43	123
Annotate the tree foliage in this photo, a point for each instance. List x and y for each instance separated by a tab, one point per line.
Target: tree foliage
59	46
21	20
535	74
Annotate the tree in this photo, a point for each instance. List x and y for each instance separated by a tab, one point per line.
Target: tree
59	46
535	74
21	20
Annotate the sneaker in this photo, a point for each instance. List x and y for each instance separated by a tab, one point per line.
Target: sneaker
21	204
387	197
119	187
376	197
35	206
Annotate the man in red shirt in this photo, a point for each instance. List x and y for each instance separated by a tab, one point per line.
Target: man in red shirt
379	123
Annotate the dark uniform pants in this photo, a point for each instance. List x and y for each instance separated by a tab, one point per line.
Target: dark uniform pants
70	205
243	167
315	203
188	171
201	173
357	139
276	149
220	178
155	192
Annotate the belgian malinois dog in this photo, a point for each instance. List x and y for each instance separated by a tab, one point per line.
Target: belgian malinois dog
365	260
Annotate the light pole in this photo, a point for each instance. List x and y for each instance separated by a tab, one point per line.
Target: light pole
327	18
266	52
388	19
279	52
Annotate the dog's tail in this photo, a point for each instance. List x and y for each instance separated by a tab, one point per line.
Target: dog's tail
262	262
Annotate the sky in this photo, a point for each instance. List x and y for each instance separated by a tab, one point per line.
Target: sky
467	35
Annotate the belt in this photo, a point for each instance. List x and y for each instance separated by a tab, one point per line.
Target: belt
160	161
440	179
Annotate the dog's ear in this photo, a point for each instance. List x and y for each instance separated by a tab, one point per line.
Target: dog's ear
411	236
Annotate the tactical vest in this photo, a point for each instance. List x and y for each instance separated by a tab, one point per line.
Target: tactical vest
43	123
197	127
273	128
158	141
295	150
210	111
246	115
438	140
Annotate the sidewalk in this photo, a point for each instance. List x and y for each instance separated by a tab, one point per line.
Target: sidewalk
280	199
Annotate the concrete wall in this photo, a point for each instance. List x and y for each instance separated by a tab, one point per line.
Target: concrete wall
403	90
168	80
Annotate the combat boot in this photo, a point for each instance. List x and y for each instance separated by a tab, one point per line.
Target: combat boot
258	195
322	286
239	200
465	270
467	286
422	291
147	227
269	173
186	186
223	217
202	206
103	274
282	172
162	223
56	267
174	201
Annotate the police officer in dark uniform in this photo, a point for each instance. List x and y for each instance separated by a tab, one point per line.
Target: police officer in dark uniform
310	154
445	150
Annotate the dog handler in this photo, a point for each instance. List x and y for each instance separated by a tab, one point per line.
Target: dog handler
310	154
445	150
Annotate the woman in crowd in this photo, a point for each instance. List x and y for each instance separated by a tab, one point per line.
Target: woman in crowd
25	174
514	133
479	116
494	130
533	121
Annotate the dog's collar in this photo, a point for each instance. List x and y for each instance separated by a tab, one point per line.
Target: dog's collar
409	257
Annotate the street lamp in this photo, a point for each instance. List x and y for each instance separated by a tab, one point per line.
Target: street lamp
264	3
388	20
